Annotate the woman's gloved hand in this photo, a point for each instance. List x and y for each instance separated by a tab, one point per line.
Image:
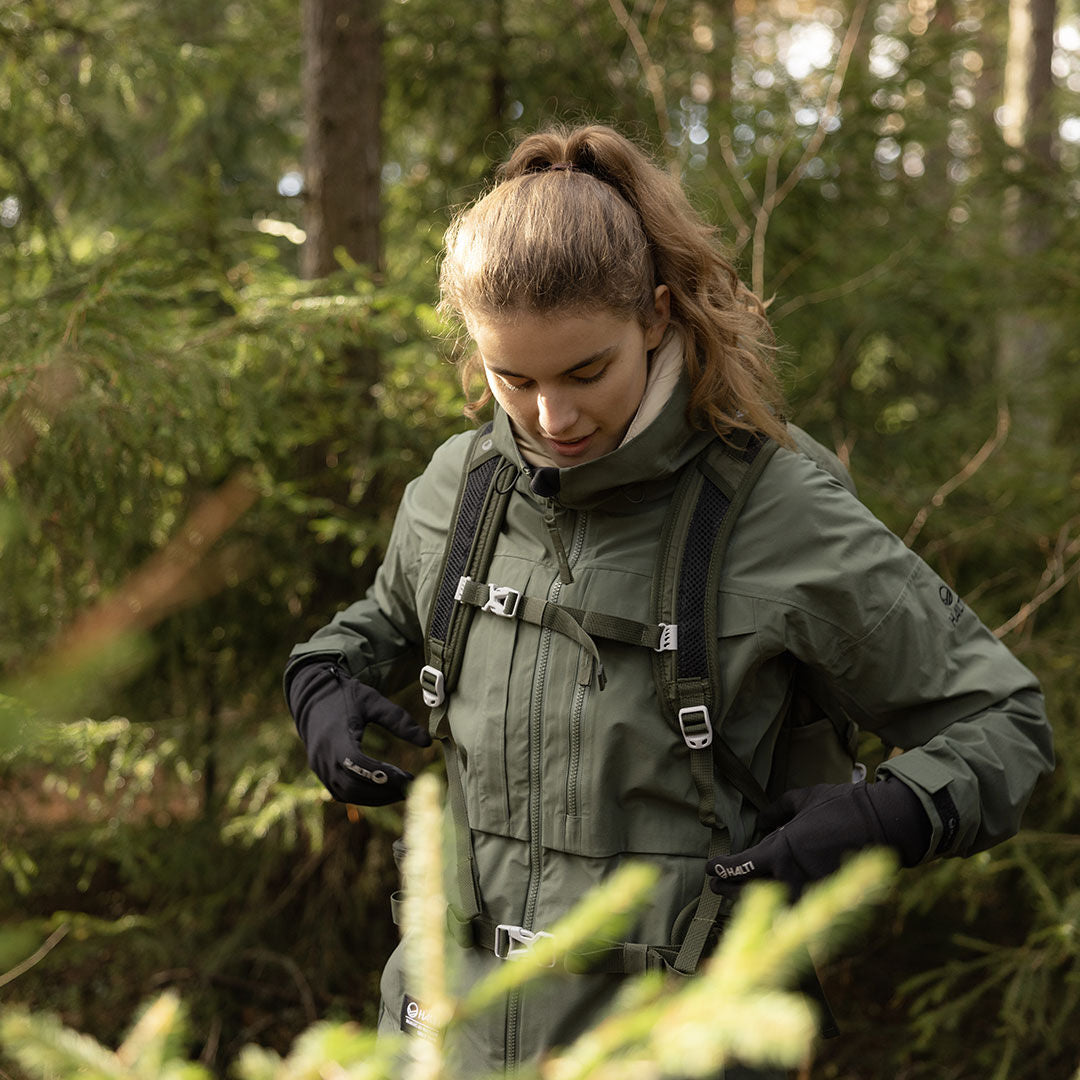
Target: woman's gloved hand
331	710
810	830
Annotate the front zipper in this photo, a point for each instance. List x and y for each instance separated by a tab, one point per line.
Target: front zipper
577	711
565	574
536	729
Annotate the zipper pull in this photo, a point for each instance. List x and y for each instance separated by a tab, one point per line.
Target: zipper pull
588	665
565	576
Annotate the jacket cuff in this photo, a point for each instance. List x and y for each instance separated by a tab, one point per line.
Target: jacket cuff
310	653
904	823
929	781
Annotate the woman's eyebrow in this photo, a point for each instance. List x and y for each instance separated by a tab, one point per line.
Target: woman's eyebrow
602	354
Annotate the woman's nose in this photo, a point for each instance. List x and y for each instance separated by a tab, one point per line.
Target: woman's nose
556	413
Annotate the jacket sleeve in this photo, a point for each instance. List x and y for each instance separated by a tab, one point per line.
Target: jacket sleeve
909	661
380	638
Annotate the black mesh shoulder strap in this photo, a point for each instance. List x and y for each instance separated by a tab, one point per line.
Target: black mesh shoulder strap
705	508
486	483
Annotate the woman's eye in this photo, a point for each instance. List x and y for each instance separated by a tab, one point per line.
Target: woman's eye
523	385
584	379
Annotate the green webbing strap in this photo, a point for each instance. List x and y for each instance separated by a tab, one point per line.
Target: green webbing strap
540	613
621	958
635	958
612	958
704	922
616	628
468	891
736	771
593	623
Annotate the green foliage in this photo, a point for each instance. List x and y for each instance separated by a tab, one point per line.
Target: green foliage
156	345
737	1009
151	1051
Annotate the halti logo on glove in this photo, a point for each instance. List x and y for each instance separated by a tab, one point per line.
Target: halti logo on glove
376	777
741	870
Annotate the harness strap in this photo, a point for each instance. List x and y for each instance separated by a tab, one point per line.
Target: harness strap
613	958
632	957
466	876
594	623
486	484
509	603
686	583
705	506
711	913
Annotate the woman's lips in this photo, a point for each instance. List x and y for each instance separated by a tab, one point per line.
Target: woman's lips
572	448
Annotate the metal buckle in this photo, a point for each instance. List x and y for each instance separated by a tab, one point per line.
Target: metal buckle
696	716
669	637
502	600
506	935
432	685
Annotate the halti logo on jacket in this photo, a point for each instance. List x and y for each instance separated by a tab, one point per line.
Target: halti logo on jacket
741	870
415	1020
953	602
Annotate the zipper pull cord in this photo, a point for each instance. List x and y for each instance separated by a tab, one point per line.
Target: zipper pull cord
565	576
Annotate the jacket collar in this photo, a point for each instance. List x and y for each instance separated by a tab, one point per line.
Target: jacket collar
641	469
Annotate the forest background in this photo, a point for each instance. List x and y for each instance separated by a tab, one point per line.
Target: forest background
220	363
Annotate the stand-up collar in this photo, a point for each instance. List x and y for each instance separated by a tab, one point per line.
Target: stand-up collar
640	466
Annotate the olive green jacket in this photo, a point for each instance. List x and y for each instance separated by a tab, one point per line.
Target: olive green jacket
563	781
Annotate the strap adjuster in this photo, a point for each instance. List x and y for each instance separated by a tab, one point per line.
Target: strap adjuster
502	600
669	637
696	726
506	936
432	686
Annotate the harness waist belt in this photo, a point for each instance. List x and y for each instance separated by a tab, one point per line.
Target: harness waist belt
613	958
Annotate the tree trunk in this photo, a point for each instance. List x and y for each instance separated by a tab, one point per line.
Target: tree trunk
342	83
500	82
721	18
1026	337
939	192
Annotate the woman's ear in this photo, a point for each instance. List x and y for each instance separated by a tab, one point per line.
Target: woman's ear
654	332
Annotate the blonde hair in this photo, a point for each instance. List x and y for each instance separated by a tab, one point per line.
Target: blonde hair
581	219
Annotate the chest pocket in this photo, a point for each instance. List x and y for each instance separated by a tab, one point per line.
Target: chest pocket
739	647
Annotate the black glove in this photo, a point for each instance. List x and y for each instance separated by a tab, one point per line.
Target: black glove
331	710
810	830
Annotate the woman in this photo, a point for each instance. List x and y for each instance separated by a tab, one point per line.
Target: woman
619	347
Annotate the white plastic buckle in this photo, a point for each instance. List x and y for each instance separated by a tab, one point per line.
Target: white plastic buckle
669	637
506	936
502	600
432	686
695	716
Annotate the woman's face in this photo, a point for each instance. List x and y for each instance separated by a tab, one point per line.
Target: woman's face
572	382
